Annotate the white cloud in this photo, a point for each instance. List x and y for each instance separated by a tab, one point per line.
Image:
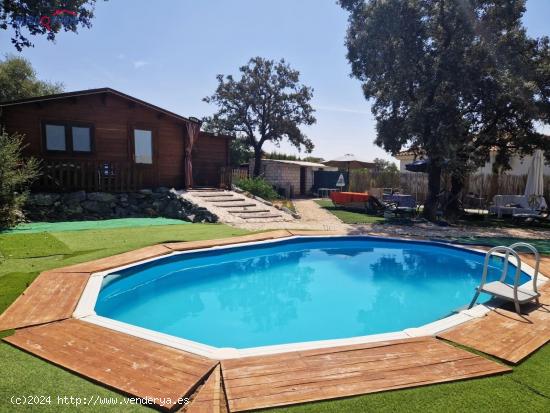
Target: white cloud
140	63
121	56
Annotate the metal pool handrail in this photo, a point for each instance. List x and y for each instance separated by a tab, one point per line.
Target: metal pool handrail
537	260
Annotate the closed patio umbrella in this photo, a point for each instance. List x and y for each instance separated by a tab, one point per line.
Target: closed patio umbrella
534	189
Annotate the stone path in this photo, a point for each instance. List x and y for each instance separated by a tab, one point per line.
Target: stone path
313	217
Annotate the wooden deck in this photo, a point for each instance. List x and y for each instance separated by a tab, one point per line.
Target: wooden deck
131	365
210	397
504	334
51	297
297	377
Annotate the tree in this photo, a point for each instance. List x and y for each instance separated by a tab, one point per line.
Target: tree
239	152
16	175
44	18
267	103
447	78
18	80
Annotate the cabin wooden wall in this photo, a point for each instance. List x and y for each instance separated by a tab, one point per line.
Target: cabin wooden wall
114	119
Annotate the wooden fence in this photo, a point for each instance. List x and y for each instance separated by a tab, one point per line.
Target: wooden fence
230	175
105	176
484	186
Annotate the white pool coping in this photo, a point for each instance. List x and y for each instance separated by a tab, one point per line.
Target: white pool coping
85	310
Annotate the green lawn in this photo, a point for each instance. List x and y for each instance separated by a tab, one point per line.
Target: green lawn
25	255
349	217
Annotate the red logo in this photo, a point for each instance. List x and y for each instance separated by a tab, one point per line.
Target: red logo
46	21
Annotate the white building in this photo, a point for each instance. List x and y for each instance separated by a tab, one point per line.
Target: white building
519	165
294	177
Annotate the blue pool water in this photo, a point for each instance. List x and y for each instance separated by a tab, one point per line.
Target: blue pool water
295	290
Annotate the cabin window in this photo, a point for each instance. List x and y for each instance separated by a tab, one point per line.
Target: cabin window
143	146
55	138
82	139
68	137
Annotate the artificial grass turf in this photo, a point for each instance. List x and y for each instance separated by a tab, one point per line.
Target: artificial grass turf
526	389
349	217
33	227
31	245
542	245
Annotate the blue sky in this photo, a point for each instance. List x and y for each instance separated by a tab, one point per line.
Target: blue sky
169	52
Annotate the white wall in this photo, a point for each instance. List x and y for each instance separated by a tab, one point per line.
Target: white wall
286	175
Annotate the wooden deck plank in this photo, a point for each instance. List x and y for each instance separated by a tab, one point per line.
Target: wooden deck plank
129	364
192	245
52	296
305	376
119	260
210	398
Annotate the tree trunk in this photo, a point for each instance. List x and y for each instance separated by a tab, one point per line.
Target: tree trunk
434	187
454	207
257	161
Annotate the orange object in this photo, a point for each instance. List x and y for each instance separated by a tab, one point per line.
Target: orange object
343	198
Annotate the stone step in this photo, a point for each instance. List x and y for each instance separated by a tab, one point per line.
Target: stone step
252	216
235	205
245	211
202	190
208	195
219	201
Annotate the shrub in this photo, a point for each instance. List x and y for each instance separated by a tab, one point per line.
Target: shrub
16	175
259	187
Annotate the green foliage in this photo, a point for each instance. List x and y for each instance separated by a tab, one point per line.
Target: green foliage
385	174
288	157
37	18
239	152
16	175
267	103
258	186
281	156
18	80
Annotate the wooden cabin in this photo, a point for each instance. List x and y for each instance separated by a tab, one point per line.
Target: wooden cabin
102	139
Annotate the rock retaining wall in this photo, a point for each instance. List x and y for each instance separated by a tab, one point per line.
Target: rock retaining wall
82	205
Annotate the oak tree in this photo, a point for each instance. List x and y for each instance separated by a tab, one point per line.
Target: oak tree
267	103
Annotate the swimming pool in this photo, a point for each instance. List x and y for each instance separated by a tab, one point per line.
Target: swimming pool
295	290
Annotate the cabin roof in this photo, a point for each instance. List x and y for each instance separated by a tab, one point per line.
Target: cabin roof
104	90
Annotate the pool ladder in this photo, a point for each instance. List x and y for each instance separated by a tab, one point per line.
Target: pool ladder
501	289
